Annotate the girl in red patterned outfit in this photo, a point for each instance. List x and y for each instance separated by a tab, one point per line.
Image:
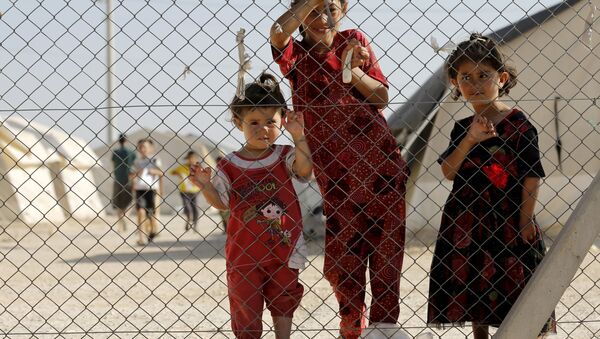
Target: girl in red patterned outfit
265	247
357	163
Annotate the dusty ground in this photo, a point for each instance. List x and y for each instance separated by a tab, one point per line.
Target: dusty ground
91	279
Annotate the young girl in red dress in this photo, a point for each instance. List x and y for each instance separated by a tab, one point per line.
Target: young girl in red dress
265	247
358	165
489	242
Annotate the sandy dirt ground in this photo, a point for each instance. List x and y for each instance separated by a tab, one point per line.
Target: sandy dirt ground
90	280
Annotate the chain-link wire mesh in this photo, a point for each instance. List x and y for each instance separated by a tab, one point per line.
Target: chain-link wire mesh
76	74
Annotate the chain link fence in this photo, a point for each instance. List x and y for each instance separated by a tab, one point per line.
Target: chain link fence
76	74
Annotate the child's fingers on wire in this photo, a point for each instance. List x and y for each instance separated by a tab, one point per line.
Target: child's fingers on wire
350	46
491	129
364	53
291	115
354	42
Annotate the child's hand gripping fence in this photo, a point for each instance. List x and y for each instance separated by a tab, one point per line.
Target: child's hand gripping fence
69	260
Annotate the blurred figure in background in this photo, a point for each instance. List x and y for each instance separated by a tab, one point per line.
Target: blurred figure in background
147	183
122	159
187	190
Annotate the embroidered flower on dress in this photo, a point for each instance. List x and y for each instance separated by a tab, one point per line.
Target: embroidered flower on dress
497	175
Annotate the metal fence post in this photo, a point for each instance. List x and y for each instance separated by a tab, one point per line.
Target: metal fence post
554	274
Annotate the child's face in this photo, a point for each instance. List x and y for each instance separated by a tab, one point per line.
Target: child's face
192	159
479	83
261	127
316	26
145	148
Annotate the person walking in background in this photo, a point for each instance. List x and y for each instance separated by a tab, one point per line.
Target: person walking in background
265	246
489	242
122	159
147	183
187	190
358	166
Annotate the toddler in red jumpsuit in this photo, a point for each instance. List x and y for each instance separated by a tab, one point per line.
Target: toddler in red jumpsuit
265	248
357	162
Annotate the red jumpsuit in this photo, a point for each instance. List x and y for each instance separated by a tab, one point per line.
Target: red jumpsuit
264	236
361	176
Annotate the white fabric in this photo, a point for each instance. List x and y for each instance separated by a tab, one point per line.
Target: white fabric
145	180
222	185
299	256
386	331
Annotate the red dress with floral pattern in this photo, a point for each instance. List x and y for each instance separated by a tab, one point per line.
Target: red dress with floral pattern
480	263
361	176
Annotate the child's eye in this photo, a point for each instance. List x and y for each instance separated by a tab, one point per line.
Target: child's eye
484	75
466	77
253	123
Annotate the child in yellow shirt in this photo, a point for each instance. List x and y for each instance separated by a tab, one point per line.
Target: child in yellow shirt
187	190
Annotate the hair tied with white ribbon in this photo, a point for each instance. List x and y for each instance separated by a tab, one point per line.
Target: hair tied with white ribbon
244	64
448	47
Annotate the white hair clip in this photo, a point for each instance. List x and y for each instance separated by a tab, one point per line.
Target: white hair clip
347	72
244	64
446	48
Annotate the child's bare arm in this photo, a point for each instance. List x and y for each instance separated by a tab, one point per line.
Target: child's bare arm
372	89
155	171
480	130
133	174
201	177
288	22
529	199
211	195
375	92
454	160
303	165
294	124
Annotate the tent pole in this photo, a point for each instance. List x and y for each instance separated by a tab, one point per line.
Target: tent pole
553	276
109	65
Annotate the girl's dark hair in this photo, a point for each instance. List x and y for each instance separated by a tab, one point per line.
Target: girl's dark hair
481	50
264	92
301	28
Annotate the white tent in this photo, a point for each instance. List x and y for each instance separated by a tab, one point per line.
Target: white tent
26	188
46	174
556	59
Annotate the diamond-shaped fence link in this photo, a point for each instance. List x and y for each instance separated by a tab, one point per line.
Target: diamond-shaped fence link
75	75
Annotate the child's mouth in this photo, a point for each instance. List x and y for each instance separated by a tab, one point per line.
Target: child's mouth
322	31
